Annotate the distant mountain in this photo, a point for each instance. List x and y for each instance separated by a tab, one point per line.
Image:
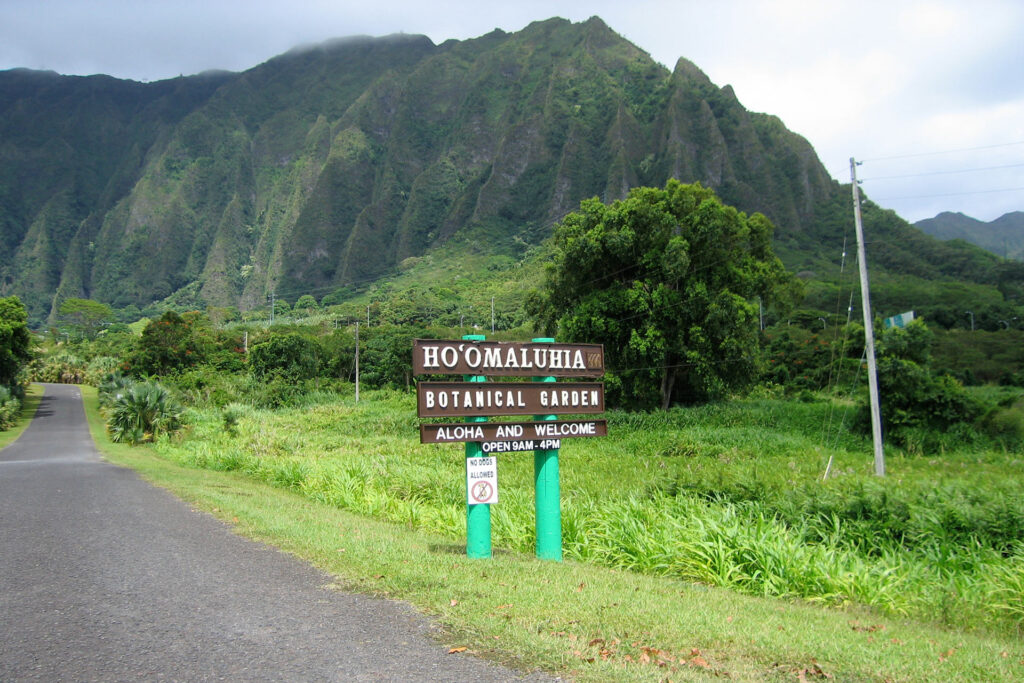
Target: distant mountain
332	165
1004	236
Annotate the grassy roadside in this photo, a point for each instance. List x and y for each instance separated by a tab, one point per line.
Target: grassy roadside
33	395
577	620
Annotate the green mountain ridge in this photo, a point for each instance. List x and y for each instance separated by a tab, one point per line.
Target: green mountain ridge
1003	236
334	164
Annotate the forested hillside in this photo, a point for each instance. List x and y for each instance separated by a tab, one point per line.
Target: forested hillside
1003	236
331	165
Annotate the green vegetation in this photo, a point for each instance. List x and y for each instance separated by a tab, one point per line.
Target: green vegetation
85	316
15	351
15	354
1003	236
387	178
339	168
766	496
573	619
29	404
668	280
727	495
140	412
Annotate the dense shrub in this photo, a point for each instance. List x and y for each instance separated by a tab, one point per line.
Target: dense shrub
62	367
99	368
112	386
170	344
15	351
10	408
142	412
1006	424
920	411
800	359
290	357
206	385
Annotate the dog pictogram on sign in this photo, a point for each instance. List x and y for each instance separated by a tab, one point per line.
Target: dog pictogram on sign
482	480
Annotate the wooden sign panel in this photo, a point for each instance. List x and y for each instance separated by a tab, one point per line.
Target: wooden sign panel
472	399
506	359
511	431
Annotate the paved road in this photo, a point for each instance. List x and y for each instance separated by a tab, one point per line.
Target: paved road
104	577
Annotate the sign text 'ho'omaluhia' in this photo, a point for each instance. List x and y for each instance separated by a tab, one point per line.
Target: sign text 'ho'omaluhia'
471	399
508	359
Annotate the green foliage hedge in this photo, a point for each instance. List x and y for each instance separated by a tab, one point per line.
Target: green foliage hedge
10	408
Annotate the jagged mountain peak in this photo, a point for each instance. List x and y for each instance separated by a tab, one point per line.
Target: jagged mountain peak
331	164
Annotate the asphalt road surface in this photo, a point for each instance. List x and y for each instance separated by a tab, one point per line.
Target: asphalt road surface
104	577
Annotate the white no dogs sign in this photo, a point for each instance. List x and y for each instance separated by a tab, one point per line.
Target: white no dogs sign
482	480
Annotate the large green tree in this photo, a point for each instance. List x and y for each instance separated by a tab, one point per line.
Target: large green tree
170	344
668	280
85	316
15	342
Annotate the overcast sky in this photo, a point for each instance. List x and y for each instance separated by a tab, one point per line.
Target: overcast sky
929	94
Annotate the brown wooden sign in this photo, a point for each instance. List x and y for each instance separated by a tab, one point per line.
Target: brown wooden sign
472	399
506	359
511	431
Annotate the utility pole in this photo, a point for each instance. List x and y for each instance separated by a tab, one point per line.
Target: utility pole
357	361
869	332
272	307
492	315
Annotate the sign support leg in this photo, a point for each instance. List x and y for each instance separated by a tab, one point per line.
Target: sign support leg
546	492
478	517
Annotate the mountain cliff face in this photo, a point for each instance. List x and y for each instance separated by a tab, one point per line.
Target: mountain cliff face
332	164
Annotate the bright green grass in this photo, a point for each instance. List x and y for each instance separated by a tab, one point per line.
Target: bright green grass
727	495
33	395
572	619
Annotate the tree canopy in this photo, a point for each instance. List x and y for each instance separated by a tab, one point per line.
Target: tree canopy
85	316
15	342
169	344
668	280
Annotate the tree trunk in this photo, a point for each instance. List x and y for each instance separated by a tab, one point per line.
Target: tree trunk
668	380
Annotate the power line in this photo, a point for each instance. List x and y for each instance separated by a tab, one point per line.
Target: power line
948	151
948	194
933	173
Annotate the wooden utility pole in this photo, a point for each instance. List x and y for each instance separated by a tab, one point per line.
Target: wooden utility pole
357	361
869	332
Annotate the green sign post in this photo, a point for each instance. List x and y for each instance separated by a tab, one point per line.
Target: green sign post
478	516
474	398
546	494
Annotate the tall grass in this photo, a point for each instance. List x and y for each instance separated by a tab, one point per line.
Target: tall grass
727	495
